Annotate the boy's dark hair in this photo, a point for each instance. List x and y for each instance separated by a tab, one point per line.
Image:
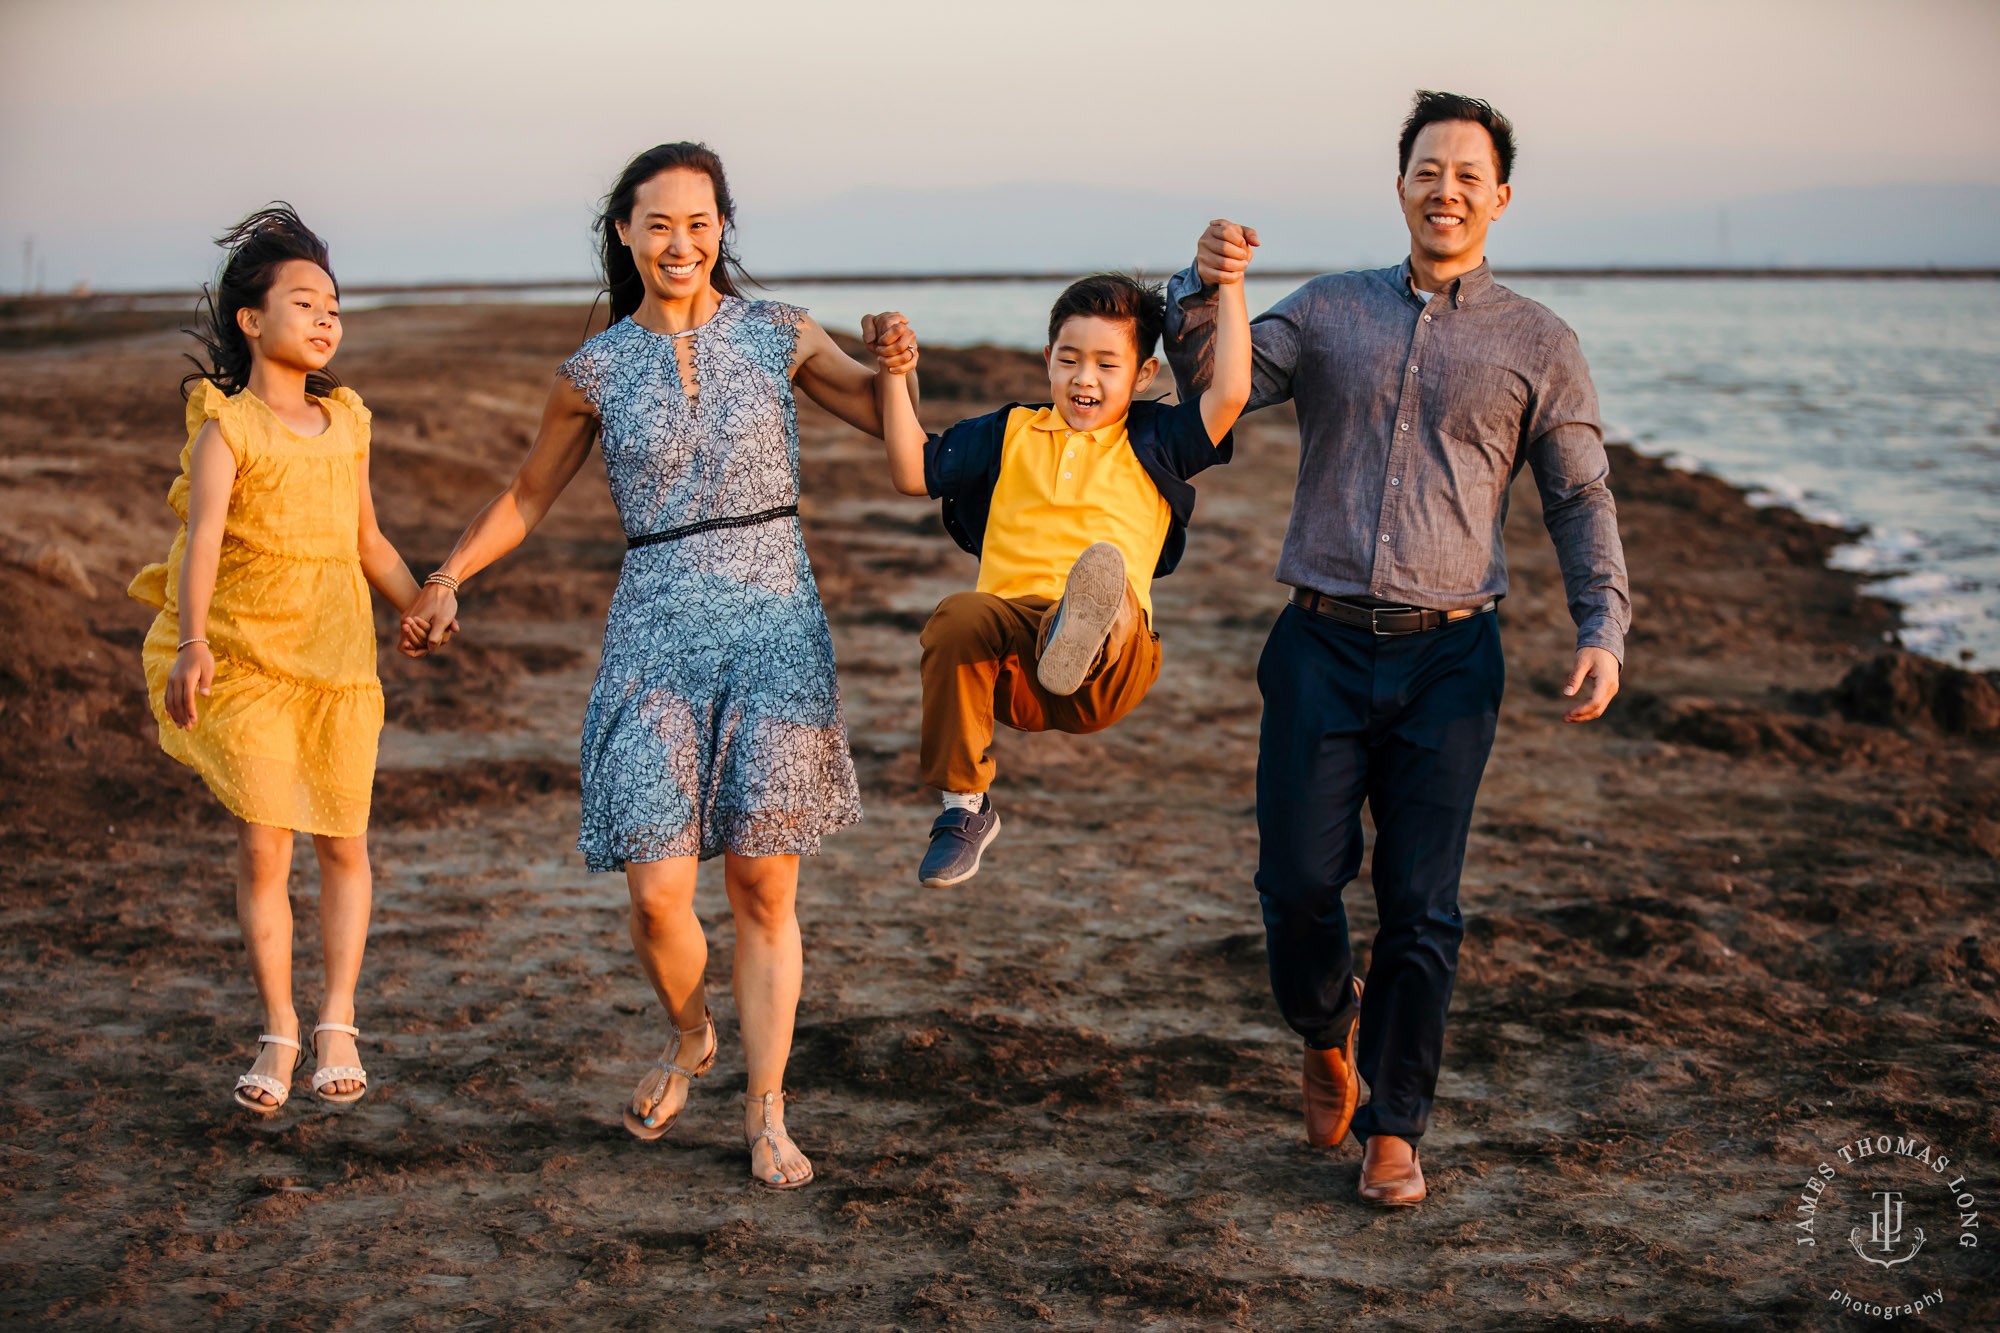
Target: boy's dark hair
257	246
1114	296
1431	107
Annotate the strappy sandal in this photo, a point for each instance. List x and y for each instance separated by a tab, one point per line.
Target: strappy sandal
326	1074
663	1072
774	1136
279	1088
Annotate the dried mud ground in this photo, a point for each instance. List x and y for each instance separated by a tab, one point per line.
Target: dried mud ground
1709	938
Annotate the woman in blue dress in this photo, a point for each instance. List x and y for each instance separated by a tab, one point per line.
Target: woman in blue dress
714	725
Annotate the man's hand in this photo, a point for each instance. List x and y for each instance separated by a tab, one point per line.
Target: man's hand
1223	254
1600	668
889	337
430	621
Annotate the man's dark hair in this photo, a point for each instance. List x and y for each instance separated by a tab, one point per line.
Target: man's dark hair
1114	296
1432	107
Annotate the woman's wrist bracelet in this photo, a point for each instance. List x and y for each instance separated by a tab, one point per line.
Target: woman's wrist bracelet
185	642
443	580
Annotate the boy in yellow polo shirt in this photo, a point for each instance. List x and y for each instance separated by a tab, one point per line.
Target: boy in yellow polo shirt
1073	508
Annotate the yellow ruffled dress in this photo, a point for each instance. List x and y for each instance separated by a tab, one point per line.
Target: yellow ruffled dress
287	736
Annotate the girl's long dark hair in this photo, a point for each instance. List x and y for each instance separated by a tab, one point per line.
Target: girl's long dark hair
622	282
256	245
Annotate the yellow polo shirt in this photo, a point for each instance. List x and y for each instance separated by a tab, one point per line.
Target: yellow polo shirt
1059	491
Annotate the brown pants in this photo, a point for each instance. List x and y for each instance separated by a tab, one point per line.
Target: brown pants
979	666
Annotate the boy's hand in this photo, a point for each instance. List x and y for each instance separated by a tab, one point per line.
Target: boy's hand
890	338
193	673
1223	254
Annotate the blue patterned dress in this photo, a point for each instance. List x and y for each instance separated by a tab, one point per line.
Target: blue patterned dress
714	724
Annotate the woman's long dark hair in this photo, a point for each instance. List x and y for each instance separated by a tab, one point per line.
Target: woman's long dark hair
256	245
622	282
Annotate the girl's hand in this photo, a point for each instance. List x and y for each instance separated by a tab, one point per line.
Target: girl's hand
890	338
193	673
430	622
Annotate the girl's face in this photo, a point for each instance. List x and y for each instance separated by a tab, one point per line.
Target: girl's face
298	326
674	233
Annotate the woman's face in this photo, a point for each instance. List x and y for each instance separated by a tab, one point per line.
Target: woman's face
674	233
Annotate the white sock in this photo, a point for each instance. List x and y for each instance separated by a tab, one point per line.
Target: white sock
958	800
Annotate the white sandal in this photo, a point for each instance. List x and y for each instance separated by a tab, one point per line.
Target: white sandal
773	1135
669	1067
326	1074
279	1088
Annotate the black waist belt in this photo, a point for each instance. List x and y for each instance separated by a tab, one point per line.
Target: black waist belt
710	525
1383	620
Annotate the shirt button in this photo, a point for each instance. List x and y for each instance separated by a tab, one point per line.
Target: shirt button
1385	536
1067	474
1402	425
1071	454
1413	370
1427	319
1395	481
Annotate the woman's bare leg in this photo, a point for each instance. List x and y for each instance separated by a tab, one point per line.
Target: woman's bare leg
667	936
763	892
346	896
264	910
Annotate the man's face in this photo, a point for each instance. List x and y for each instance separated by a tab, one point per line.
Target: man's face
1451	190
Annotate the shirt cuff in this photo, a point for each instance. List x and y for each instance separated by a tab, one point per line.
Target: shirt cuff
1185	289
1603	636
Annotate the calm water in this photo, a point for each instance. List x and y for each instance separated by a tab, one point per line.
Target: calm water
1870	404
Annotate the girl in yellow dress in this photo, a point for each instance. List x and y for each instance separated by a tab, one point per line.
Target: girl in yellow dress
261	663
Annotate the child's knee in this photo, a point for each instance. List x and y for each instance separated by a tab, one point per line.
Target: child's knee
342	853
959	619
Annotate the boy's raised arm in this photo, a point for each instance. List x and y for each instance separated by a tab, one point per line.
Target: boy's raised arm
1229	384
903	435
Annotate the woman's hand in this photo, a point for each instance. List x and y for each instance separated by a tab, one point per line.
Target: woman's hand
430	621
891	339
193	673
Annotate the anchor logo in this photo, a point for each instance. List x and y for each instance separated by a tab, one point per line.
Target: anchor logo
1886	1231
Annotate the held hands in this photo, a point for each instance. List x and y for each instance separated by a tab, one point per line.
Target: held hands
193	673
889	337
1600	669
1223	254
429	622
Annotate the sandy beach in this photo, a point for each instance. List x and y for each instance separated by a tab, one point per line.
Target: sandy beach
1747	917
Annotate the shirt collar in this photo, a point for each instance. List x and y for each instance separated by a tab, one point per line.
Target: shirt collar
1050	419
1466	289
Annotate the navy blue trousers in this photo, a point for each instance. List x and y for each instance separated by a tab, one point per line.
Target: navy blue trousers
1404	724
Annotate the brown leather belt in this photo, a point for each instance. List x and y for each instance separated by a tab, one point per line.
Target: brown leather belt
1383	621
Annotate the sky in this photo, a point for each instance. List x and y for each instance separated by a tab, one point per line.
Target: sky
471	141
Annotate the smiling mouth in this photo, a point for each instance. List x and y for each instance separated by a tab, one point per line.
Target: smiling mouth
320	343
680	270
1444	219
1086	403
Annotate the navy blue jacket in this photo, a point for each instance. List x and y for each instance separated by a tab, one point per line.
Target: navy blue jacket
962	466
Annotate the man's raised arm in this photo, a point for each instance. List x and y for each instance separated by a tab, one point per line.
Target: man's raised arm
1223	254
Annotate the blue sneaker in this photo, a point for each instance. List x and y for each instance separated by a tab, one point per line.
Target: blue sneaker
957	839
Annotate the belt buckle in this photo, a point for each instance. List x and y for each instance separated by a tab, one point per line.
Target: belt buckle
1375	624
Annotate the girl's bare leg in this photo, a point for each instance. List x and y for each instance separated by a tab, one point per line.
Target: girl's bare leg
346	896
667	936
264	910
763	892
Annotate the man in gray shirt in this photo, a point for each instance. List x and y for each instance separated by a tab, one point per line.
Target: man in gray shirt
1422	390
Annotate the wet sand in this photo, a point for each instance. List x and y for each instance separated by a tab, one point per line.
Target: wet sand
1746	917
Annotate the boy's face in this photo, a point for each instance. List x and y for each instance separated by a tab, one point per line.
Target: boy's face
1094	369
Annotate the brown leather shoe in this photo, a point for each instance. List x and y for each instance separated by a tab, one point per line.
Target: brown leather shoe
1332	1089
1391	1186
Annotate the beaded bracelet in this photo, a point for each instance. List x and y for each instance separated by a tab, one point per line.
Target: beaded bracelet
443	580
185	642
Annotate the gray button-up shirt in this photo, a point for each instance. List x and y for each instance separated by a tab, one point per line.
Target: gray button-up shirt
1414	419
